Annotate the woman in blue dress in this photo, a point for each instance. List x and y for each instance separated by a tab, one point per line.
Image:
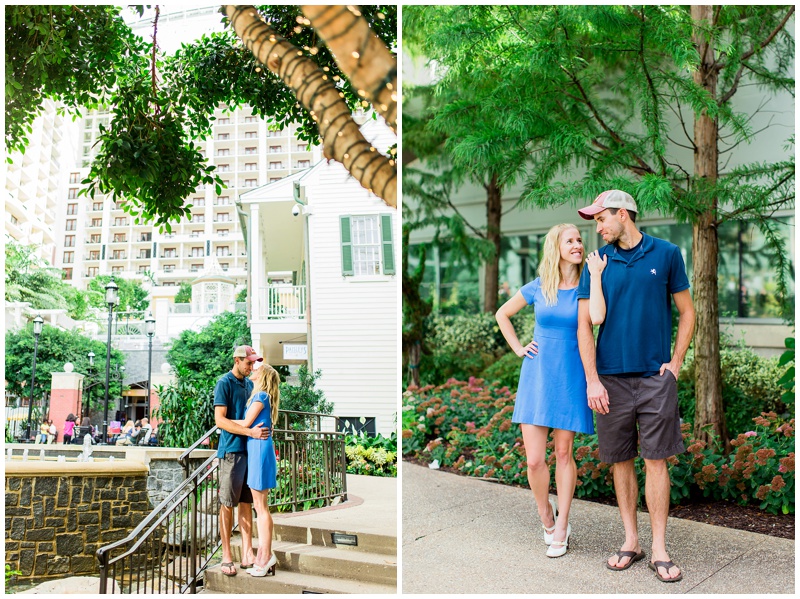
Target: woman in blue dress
262	467
552	384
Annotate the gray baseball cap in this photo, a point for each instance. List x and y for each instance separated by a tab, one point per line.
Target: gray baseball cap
613	198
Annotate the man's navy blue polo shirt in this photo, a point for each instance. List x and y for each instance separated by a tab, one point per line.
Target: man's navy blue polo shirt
636	336
232	393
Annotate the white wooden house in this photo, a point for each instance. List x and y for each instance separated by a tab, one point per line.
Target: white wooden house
323	288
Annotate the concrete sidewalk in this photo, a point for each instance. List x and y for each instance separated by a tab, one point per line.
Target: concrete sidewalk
372	508
465	535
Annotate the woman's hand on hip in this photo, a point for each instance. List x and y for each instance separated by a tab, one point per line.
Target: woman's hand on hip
529	350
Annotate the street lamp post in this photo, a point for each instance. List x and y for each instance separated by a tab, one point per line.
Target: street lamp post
150	328
112	298
38	323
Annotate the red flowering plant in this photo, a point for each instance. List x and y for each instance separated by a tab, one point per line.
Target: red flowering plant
695	469
594	476
467	426
761	466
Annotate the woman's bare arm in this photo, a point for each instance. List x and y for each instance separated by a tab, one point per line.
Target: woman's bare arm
503	316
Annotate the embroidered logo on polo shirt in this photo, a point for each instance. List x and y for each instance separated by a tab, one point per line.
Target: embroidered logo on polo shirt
652	271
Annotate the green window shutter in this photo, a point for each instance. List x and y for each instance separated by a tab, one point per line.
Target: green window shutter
347	247
386	239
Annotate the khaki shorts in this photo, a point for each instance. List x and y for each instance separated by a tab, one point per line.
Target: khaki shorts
649	402
233	488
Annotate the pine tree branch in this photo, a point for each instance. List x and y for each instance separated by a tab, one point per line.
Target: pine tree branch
642	169
725	151
756	48
715	19
650	88
751	207
614	135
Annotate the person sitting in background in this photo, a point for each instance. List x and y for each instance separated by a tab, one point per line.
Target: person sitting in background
132	436
44	430
123	435
147	431
52	432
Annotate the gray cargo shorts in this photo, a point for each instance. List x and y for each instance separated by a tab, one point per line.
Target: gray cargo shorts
649	402
233	488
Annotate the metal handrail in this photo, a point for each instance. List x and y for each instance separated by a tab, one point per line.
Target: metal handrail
317	465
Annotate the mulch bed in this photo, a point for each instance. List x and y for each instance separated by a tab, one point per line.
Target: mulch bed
718	513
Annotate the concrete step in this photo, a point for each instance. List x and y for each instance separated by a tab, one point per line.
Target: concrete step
330	561
285	582
323	536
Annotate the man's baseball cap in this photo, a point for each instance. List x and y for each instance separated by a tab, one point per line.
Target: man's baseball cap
613	198
245	351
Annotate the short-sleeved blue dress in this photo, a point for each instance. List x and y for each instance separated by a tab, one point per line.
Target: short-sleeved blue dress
262	467
552	385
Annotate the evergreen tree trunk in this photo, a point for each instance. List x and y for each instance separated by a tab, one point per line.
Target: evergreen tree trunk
414	356
415	311
494	208
705	247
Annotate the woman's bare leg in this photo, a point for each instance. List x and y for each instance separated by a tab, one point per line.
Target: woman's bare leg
566	477
264	522
535	439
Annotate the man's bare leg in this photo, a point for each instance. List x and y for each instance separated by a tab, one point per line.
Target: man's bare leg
626	488
225	527
246	529
656	492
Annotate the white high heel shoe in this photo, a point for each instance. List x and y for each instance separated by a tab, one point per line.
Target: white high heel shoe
266	569
548	536
559	548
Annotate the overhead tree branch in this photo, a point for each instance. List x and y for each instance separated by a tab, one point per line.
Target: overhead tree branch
368	64
316	92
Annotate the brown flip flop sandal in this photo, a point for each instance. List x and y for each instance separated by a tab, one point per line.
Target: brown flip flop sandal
228	565
654	566
634	557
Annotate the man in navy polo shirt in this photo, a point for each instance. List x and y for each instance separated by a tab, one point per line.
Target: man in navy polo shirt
632	376
230	396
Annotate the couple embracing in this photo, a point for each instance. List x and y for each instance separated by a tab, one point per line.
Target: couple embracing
628	379
246	403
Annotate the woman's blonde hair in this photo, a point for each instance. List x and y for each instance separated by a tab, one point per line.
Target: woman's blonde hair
549	272
267	379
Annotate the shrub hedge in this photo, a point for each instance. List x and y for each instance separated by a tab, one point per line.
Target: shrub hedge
750	386
374	456
466	425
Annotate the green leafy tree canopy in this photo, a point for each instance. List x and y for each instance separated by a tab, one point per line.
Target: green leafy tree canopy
132	295
205	355
148	159
57	347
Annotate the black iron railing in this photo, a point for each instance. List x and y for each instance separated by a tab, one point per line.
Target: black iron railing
169	550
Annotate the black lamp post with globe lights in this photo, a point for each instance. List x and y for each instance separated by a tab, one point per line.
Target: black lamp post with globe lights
38	324
150	329
112	299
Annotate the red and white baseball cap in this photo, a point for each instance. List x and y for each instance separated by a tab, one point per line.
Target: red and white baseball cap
245	351
613	198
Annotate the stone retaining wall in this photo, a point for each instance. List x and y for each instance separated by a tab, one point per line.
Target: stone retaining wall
59	514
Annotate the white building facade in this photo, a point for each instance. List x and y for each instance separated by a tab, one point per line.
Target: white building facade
324	288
